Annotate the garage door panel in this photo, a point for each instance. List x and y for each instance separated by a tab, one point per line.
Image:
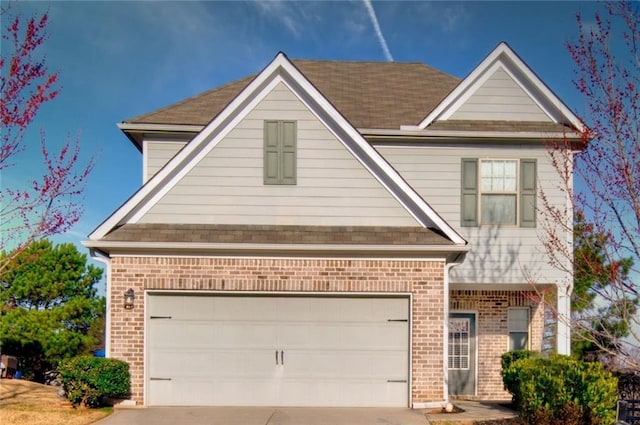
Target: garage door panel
219	350
378	336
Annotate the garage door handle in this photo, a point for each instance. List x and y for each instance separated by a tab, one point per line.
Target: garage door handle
276	357
403	381
282	357
159	379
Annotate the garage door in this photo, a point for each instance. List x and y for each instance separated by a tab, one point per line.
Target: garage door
277	351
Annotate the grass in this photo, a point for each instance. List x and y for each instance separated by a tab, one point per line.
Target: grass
25	402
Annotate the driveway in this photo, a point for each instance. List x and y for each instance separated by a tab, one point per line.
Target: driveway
264	416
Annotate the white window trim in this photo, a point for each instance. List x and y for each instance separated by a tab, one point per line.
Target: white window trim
481	192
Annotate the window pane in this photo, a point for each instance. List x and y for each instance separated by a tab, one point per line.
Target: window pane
518	340
498	209
486	174
518	319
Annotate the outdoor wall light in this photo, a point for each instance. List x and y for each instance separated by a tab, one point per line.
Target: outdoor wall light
129	296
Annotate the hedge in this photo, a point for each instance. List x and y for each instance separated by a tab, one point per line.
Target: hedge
88	380
560	389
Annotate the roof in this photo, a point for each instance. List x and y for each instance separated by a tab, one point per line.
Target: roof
277	234
368	94
279	71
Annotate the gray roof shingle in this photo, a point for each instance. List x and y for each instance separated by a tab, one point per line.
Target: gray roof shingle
368	94
271	234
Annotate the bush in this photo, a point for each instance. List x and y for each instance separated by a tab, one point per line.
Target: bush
87	380
560	389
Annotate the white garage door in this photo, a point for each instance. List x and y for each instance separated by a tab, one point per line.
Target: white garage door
277	351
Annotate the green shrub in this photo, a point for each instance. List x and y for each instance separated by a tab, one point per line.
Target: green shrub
560	390
510	375
87	380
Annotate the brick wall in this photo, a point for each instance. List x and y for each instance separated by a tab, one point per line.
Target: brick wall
424	279
491	308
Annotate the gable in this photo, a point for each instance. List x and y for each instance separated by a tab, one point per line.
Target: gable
500	97
502	88
278	71
226	186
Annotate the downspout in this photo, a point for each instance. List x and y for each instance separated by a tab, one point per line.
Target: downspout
103	258
445	338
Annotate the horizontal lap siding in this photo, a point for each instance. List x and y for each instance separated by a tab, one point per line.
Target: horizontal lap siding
498	254
226	187
157	154
500	98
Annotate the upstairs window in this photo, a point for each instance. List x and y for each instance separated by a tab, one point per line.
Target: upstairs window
498	192
280	152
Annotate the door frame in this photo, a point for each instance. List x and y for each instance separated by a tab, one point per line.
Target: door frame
477	338
292	294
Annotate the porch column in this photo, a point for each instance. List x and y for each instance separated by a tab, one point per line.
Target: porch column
563	335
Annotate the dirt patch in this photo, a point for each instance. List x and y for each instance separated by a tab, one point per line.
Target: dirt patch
25	402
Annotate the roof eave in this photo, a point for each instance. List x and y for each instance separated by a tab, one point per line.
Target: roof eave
274	249
413	132
136	132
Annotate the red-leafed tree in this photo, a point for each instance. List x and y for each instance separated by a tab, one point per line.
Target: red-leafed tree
605	255
49	203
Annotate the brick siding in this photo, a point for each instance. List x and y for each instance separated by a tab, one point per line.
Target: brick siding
423	279
492	330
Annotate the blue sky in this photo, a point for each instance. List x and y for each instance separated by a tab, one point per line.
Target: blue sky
121	59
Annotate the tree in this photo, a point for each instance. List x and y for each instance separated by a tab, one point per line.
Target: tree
50	204
607	169
49	305
602	326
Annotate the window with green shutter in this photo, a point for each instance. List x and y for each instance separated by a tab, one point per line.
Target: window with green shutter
498	192
280	152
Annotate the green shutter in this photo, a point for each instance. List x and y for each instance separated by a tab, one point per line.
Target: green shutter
271	154
528	193
469	196
279	152
288	151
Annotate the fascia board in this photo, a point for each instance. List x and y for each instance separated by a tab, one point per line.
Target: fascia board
226	247
482	71
435	135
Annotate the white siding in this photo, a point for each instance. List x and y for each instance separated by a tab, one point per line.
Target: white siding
500	98
498	254
226	187
157	154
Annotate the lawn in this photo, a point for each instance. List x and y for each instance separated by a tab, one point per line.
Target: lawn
25	402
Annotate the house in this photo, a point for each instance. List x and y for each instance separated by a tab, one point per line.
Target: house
337	234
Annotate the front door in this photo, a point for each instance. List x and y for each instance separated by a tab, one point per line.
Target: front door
462	354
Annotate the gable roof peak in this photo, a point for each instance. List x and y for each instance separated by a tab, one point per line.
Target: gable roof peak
503	56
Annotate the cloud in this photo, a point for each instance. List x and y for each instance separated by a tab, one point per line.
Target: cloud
292	14
448	17
376	27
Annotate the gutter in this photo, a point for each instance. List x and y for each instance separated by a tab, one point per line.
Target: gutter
229	248
414	133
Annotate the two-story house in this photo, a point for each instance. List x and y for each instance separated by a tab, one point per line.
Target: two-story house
337	234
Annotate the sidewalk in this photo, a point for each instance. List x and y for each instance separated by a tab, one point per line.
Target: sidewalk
473	411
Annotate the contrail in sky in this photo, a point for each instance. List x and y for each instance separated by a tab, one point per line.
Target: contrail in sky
376	26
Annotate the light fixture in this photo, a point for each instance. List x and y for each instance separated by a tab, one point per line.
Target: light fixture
129	296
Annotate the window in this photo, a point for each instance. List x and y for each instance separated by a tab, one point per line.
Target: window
459	340
518	321
498	192
280	152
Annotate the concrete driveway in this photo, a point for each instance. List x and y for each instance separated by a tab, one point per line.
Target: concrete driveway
264	416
